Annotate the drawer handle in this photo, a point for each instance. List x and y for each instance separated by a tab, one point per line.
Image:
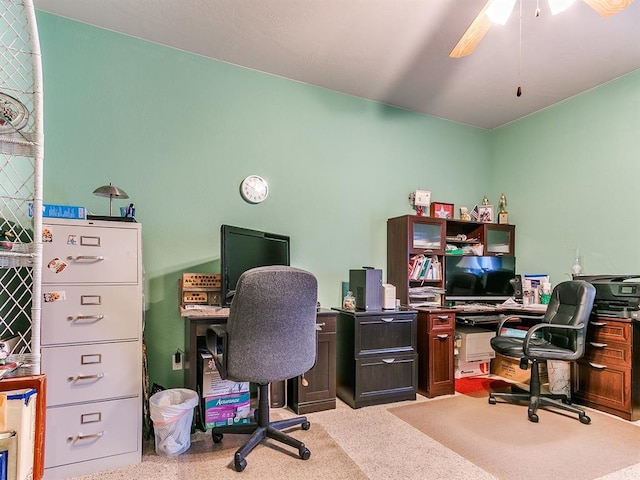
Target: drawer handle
84	437
319	326
599	366
87	258
75	318
78	377
443	336
443	317
387	319
597	345
599	324
388	360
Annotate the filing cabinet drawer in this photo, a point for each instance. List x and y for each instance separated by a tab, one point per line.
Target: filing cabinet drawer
82	373
94	430
609	330
608	353
385	375
90	313
393	332
607	386
84	253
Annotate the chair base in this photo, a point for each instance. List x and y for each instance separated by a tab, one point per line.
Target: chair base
262	429
536	399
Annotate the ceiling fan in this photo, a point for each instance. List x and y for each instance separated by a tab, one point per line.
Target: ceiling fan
498	11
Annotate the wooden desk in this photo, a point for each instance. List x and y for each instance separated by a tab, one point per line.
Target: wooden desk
38	382
319	394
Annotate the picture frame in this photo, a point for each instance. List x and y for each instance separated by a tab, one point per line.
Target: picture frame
441	210
485	213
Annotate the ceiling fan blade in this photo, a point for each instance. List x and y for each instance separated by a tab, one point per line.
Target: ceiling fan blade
473	35
606	8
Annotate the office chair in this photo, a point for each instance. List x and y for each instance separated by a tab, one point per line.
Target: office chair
270	336
560	336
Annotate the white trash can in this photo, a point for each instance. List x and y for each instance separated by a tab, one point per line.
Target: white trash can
172	413
559	372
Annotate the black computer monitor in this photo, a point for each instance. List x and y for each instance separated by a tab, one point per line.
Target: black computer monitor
242	249
479	279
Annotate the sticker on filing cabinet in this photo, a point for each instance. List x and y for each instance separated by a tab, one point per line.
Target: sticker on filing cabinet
47	236
56	265
72	239
54	296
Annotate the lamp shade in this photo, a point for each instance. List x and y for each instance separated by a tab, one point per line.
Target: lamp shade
110	191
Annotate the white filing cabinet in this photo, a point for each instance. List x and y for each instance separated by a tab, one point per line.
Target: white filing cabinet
92	345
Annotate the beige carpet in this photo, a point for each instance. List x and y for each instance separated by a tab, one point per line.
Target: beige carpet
559	446
204	460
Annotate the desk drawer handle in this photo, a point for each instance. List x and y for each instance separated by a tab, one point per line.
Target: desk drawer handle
88	258
75	318
599	324
443	336
84	437
597	345
443	317
388	360
75	378
599	366
387	319
319	326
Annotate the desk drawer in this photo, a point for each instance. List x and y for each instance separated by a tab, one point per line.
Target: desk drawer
605	385
104	427
392	333
90	313
441	321
608	353
385	375
82	373
607	330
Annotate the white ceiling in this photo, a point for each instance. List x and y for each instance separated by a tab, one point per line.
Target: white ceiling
392	51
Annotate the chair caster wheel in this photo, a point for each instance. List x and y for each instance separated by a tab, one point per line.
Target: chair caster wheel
217	437
239	464
304	453
585	419
533	417
305	425
492	401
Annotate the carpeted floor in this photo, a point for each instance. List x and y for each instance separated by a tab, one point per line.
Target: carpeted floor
500	439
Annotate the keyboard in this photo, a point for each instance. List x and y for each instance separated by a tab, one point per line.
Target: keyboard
480	318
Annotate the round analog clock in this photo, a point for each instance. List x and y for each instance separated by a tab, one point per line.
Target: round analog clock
254	189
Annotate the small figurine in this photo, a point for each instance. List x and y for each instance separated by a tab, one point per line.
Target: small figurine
131	211
485	200
464	214
502	203
503	215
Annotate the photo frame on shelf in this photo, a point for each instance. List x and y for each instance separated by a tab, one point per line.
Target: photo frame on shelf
441	210
485	213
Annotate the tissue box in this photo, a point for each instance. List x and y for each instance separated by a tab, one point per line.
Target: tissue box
61	211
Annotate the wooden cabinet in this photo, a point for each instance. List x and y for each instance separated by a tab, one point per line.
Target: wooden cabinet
320	392
409	236
92	345
436	340
607	378
376	357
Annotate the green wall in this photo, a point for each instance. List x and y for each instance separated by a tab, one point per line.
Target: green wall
570	173
178	132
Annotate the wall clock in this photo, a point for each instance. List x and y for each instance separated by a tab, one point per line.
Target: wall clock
254	189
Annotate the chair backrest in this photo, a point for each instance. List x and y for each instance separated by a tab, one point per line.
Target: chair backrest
272	325
571	303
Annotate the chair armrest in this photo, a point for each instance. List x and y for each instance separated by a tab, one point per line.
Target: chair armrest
503	322
540	326
217	345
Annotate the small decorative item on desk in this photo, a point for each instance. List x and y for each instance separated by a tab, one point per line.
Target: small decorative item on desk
485	213
349	302
464	214
442	210
503	215
485	200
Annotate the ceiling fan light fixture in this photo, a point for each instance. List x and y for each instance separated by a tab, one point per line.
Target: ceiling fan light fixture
559	6
499	11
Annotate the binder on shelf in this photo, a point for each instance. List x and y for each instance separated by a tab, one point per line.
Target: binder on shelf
8	455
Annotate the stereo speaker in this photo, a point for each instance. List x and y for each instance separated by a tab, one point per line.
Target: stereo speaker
517	288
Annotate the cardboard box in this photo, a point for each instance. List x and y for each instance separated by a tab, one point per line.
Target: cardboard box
223	410
509	368
18	413
471	369
211	383
61	211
